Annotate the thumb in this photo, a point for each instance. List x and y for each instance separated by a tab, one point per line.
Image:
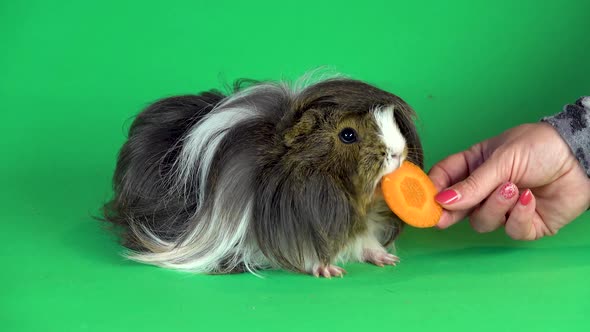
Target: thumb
475	188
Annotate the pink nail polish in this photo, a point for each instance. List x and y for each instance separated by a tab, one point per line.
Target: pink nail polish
526	197
508	190
447	196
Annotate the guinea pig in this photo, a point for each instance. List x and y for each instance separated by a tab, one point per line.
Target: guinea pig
266	177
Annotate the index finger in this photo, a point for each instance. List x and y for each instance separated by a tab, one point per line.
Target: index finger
456	167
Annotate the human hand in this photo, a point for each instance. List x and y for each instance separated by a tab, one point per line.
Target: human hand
485	181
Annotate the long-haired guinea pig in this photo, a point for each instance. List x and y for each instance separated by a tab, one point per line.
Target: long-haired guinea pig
268	177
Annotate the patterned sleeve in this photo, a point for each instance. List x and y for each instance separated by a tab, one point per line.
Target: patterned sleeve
573	124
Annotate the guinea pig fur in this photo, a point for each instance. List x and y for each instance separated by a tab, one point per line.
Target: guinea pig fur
267	177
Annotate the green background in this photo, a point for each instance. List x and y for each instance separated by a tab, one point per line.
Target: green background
72	73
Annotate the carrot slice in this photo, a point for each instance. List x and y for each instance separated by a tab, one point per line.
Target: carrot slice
409	193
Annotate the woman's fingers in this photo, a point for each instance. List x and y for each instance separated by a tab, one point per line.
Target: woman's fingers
491	215
451	170
468	194
521	224
449	218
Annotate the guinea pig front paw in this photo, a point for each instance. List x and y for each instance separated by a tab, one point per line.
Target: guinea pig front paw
379	257
327	271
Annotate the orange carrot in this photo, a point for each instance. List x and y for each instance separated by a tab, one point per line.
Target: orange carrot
409	193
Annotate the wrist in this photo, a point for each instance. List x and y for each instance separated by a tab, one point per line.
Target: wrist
573	126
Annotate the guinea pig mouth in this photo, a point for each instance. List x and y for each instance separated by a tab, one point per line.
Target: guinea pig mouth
388	166
377	187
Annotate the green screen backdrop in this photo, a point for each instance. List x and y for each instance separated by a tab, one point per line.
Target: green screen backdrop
73	73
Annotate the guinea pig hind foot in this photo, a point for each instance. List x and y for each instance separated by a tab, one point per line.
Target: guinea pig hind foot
327	271
379	257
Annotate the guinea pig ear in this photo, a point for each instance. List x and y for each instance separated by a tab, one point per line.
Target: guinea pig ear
304	125
405	119
301	220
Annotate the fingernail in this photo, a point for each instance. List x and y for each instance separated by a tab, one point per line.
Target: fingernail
526	197
508	190
447	196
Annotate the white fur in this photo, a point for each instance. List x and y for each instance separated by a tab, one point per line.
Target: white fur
208	244
369	240
202	143
391	136
586	102
317	75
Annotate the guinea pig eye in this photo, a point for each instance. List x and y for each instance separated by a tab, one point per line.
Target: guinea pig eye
348	136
